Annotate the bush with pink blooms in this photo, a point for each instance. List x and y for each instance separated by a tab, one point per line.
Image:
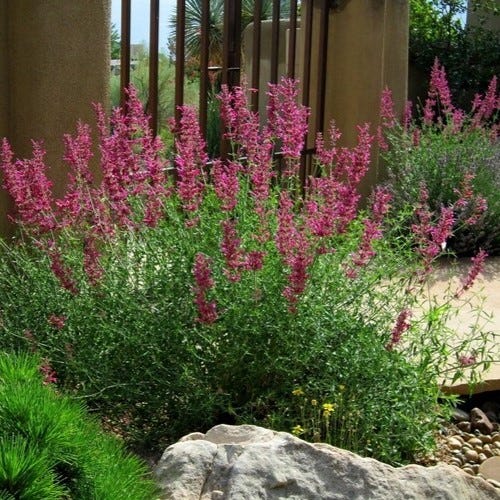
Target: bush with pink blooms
172	303
449	158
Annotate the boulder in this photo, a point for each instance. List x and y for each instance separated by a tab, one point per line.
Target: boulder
248	462
479	421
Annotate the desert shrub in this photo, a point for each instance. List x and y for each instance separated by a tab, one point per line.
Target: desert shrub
452	154
173	306
49	447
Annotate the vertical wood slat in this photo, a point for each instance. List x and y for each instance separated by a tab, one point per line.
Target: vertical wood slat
292	41
204	56
231	57
257	13
154	29
124	51
321	84
180	36
275	41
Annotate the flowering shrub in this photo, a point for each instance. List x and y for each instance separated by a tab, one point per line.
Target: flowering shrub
448	159
174	305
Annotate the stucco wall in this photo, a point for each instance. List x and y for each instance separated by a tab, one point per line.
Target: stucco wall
58	65
3	69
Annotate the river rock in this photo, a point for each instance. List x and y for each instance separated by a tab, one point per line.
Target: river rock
479	421
248	462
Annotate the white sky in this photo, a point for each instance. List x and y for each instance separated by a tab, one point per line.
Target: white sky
139	29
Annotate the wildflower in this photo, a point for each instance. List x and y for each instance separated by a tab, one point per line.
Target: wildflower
298	430
476	269
484	107
407	115
226	184
91	264
190	159
298	392
328	409
207	311
387	109
49	375
56	321
30	188
61	271
314	402
402	324
287	120
465	360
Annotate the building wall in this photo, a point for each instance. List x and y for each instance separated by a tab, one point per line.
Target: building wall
56	56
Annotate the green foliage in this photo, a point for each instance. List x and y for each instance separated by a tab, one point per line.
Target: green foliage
139	77
115	43
49	448
440	161
471	54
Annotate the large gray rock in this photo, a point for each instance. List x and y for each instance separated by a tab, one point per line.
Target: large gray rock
248	462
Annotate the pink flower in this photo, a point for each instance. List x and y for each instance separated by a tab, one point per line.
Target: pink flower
476	269
28	185
91	264
484	107
226	183
49	375
439	87
287	121
465	360
387	109
62	271
190	160
56	321
207	310
402	324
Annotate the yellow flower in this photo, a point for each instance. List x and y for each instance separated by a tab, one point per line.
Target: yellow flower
298	392
297	430
328	409
341	387
314	402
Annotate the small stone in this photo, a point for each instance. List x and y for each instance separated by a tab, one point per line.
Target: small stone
464	426
456	461
459	415
496	444
495	438
475	442
481	458
468	469
480	422
454	444
487	450
471	455
485	438
475	468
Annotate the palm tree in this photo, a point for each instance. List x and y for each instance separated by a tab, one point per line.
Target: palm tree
216	24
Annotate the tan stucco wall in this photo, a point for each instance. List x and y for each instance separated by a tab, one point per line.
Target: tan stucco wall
58	63
3	69
367	50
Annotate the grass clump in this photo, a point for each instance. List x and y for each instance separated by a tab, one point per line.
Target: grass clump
49	447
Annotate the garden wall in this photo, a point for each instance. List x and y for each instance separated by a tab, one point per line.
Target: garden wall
54	62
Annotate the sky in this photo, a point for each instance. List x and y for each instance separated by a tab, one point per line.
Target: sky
139	29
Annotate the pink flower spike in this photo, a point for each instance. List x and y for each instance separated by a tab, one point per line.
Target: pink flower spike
476	269
466	361
57	322
387	109
49	375
401	326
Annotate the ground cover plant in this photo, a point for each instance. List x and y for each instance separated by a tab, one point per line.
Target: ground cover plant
226	294
450	153
50	449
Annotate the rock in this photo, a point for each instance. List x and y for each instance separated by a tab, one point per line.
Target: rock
471	455
490	468
247	462
475	442
459	415
479	421
464	426
454	444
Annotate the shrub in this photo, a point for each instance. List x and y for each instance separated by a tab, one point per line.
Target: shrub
172	307
453	155
50	449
